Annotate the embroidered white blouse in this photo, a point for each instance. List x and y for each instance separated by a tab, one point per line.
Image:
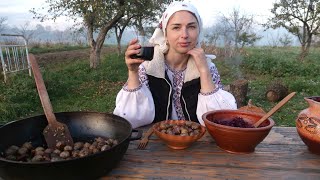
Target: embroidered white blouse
137	106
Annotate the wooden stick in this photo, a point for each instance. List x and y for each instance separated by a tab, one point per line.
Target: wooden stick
274	109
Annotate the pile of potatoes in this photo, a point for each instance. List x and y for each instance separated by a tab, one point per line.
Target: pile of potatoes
28	153
188	128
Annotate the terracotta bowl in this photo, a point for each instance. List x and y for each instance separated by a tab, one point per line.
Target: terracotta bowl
236	139
177	141
308	130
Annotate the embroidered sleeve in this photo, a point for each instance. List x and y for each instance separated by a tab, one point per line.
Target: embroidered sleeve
216	80
215	76
136	105
143	76
210	93
125	88
215	100
143	80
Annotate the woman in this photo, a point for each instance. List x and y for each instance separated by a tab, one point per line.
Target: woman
180	82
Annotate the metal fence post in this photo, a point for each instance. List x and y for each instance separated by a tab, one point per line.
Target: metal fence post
14	57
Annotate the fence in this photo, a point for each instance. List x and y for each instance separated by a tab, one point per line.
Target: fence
13	54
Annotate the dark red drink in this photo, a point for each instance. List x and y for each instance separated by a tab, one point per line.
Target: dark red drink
146	53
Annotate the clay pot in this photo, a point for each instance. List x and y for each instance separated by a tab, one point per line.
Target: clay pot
236	139
177	141
252	108
308	124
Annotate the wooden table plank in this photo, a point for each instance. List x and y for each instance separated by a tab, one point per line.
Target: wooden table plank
163	171
282	155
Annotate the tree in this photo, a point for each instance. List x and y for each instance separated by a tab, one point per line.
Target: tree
273	39
152	10
316	41
3	23
140	14
26	31
239	26
285	40
97	16
221	32
211	36
79	35
299	17
119	29
61	37
246	38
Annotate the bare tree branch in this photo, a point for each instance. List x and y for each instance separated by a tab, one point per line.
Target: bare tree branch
299	17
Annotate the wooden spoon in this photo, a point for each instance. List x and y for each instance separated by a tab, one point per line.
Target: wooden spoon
55	131
274	109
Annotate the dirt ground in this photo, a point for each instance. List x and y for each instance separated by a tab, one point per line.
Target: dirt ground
58	57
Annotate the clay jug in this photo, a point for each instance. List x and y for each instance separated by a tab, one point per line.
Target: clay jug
308	124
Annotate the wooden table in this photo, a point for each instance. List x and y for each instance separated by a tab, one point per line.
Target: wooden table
282	155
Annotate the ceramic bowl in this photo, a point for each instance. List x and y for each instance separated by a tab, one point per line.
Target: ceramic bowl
236	139
177	141
308	130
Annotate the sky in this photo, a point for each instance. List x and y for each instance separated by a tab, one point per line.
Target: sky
17	11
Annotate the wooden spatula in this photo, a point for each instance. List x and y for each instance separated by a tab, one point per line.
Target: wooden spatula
55	131
274	109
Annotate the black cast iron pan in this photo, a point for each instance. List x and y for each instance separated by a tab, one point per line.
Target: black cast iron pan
83	126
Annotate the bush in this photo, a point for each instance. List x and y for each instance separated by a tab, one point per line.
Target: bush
280	63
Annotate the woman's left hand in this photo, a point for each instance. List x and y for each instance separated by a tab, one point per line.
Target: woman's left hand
206	82
200	59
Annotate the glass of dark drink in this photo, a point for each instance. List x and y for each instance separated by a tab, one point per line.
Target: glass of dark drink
146	51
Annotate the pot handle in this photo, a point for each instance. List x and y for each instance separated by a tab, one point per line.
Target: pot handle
138	136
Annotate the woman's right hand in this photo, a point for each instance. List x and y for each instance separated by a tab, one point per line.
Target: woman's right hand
133	48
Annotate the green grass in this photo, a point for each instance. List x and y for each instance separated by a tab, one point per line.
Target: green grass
74	86
71	87
54	48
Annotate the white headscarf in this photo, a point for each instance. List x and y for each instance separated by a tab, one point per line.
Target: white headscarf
156	67
159	35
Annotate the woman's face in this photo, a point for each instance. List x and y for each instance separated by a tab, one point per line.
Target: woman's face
182	32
